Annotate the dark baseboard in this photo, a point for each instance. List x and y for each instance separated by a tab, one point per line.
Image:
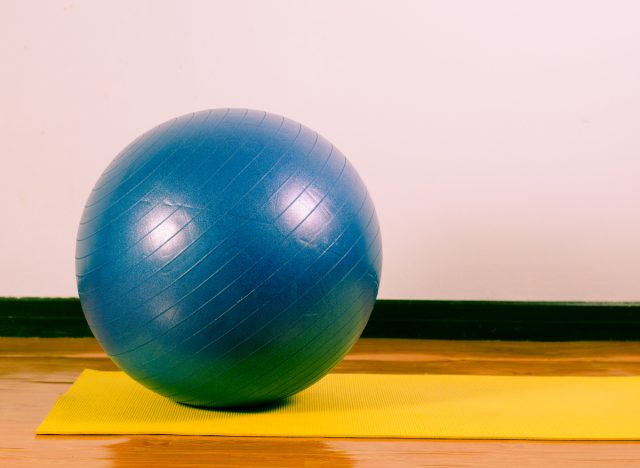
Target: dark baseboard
505	320
453	320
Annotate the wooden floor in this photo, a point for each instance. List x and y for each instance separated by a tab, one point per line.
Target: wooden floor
34	372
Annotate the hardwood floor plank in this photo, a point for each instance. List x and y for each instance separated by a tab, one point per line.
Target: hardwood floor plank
34	372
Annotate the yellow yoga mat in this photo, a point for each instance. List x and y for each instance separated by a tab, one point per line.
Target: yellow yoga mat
371	405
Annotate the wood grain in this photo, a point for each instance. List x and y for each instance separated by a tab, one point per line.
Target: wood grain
34	372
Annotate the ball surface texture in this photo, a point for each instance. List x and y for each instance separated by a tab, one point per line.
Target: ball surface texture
228	257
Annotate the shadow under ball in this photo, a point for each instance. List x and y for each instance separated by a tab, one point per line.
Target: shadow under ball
228	257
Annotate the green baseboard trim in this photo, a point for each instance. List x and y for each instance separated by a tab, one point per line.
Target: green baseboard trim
453	320
506	320
45	317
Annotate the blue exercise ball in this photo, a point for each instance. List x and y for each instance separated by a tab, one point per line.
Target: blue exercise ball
228	257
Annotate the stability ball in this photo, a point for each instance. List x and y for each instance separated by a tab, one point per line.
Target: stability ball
228	257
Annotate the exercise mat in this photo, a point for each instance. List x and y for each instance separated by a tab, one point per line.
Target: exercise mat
370	405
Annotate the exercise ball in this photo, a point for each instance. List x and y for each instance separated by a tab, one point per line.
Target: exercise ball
228	257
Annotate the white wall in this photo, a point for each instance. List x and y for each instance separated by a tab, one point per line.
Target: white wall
499	139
